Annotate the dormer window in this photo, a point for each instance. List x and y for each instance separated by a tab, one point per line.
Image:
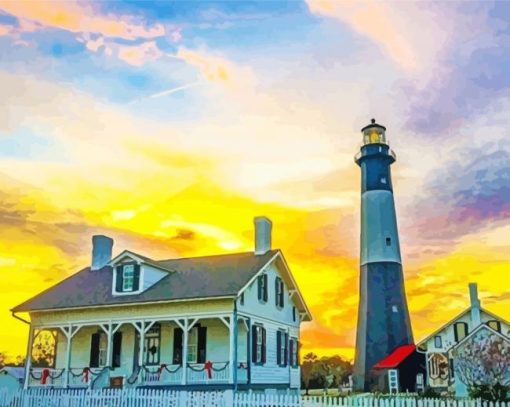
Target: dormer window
128	274
127	278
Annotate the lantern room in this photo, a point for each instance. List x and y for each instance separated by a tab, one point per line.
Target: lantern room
374	133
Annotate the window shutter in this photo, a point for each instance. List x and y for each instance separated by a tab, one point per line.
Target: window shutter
263	343
298	353
265	287
281	293
118	282
452	368
286	344
117	346
94	350
276	292
254	343
202	340
177	357
136	277
259	286
291	352
278	347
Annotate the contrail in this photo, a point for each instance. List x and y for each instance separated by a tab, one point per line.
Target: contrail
167	92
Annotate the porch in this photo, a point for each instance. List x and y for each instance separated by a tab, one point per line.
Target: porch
173	351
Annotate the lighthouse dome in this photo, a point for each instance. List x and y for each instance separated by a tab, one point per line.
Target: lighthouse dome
374	133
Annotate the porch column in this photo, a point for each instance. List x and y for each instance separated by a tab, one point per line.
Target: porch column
28	357
185	352
68	334
141	352
233	349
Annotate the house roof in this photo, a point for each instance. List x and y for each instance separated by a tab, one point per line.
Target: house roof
188	278
396	357
475	331
455	319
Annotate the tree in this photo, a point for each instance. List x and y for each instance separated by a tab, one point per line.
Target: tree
307	369
44	348
483	364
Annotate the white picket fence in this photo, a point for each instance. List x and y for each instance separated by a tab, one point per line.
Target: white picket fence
169	398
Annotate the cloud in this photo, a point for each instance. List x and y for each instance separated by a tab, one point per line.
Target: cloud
408	33
80	18
217	69
138	55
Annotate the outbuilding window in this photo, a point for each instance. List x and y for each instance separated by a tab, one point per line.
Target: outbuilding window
460	331
438	342
496	325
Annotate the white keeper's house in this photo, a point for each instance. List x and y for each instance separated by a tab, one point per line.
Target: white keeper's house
217	322
475	326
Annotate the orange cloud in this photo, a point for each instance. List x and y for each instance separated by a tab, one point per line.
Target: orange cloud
80	18
411	38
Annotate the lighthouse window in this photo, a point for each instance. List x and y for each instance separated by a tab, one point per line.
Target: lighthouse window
394	308
383	180
388	241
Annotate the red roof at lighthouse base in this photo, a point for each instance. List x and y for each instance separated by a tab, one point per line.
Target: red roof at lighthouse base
396	357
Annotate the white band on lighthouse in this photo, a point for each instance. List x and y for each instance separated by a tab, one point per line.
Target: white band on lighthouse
379	236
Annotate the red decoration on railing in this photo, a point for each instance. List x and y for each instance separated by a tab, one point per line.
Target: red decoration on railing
44	375
85	375
160	370
242	366
208	366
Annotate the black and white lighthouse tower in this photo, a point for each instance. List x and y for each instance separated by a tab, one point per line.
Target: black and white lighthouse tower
383	317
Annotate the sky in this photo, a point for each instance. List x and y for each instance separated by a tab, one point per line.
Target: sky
169	125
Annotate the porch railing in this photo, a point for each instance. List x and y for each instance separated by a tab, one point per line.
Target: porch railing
161	375
46	377
295	377
217	372
242	373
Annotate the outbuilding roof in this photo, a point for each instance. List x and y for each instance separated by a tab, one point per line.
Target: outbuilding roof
188	278
396	357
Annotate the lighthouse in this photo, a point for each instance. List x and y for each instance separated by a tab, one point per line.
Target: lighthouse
383	317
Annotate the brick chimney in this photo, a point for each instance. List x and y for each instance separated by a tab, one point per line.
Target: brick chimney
101	251
262	235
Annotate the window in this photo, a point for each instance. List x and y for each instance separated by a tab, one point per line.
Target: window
394	308
294	314
241	299
383	180
127	278
460	331
282	339
438	342
293	352
258	344
98	349
262	287
103	349
152	345
117	348
128	273
279	292
496	325
193	345
388	241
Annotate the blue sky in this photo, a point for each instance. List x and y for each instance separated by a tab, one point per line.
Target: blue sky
141	119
